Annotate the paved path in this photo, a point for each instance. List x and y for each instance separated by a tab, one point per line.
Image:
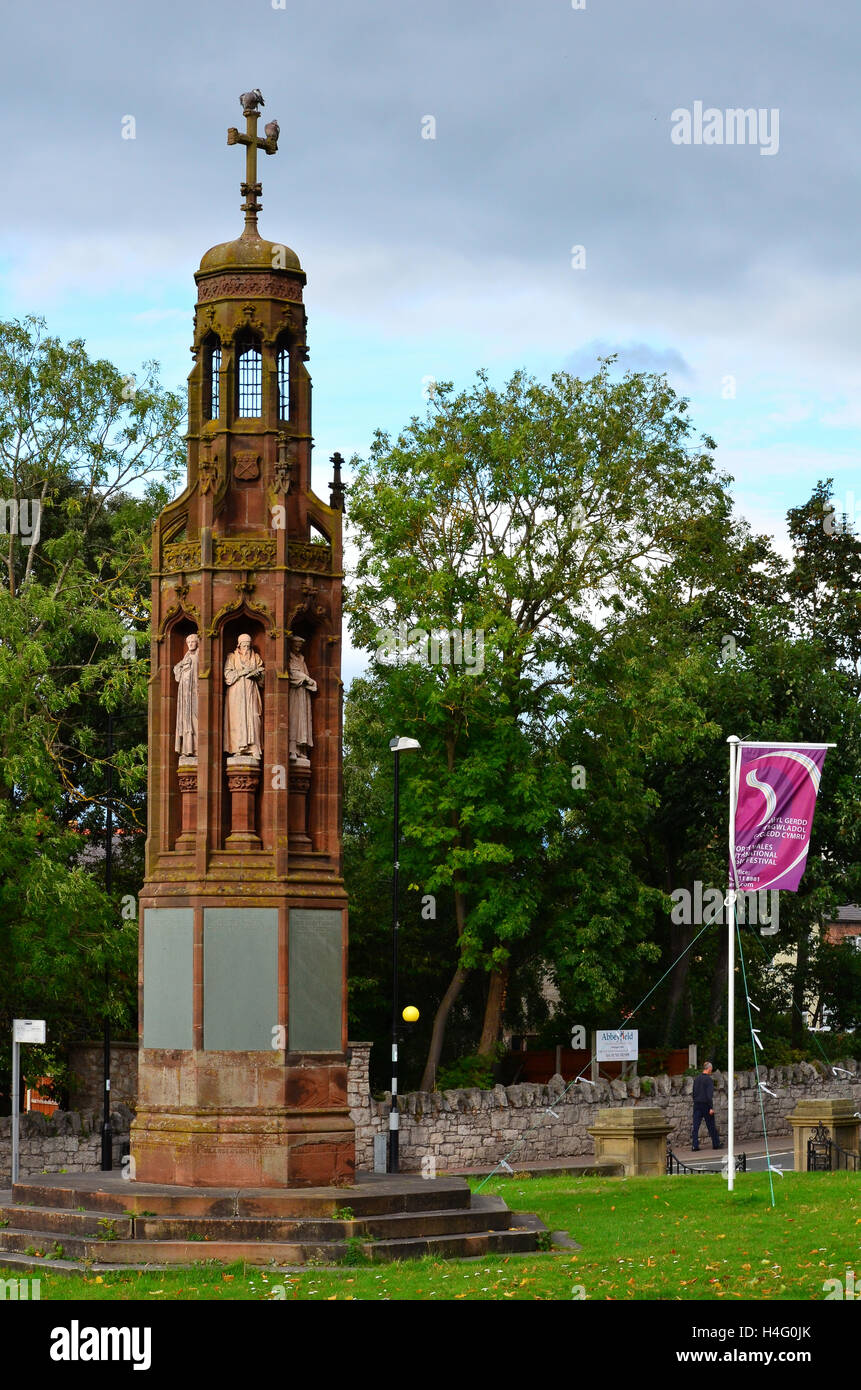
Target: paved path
706	1160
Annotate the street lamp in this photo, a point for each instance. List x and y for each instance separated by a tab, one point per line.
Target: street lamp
397	746
107	1130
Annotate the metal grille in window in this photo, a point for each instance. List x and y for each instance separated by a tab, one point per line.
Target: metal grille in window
283	384
215	383
250	383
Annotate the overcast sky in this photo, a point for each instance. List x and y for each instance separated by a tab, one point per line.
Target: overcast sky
434	257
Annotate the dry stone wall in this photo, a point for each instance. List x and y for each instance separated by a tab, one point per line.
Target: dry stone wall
63	1142
471	1128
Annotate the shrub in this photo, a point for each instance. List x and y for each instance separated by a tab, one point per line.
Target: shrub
466	1072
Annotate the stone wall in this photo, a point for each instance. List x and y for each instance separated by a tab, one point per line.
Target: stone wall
467	1128
86	1065
63	1142
362	1108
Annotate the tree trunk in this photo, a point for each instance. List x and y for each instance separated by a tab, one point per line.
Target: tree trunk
458	980
493	1012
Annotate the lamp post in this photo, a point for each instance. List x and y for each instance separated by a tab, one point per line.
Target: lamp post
107	1131
397	746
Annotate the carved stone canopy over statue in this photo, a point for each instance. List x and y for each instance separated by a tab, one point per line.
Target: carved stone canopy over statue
243	674
302	686
185	674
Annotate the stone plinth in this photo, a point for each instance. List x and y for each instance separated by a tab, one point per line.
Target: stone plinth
300	785
838	1118
635	1136
187	778
242	1119
243	779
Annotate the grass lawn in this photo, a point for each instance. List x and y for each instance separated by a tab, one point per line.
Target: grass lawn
642	1238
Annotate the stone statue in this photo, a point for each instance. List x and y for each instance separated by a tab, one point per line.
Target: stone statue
243	674
185	674
302	686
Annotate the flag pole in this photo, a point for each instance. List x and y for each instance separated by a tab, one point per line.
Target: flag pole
733	742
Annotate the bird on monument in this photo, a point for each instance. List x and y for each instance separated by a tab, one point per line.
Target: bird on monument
272	130
251	100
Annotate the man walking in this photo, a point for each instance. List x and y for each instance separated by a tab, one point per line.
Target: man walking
704	1093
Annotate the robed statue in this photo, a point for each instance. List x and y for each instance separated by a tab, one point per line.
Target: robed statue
302	686
185	674
243	674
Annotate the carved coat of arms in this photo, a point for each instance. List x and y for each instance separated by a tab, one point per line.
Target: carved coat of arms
246	464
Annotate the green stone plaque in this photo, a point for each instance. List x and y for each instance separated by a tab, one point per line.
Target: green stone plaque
168	990
316	980
240	978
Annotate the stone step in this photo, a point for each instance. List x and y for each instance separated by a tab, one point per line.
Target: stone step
514	1241
371	1199
59	1221
180	1252
486	1213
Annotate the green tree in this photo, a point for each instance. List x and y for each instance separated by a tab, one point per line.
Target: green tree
532	514
87	457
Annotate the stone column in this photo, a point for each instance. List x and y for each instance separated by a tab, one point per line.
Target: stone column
300	783
635	1136
837	1118
243	779
187	778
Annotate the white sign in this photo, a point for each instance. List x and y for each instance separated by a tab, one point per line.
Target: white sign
30	1030
617	1044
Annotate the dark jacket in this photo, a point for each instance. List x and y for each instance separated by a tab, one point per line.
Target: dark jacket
704	1090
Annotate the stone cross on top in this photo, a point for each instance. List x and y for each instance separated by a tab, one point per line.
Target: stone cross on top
251	190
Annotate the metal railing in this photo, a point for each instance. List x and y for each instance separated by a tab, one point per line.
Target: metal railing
825	1155
676	1167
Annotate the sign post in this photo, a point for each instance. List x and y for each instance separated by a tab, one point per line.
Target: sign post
24	1030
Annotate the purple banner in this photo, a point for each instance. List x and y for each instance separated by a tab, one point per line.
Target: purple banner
777	790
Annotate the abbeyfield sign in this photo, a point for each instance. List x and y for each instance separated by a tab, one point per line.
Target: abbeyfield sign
617	1044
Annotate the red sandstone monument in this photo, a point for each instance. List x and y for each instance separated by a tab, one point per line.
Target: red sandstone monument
243	921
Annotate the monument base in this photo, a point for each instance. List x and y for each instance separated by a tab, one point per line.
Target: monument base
242	1119
196	1148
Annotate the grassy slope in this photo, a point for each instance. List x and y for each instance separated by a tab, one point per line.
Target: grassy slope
642	1238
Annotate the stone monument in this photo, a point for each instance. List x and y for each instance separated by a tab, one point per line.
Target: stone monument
243	922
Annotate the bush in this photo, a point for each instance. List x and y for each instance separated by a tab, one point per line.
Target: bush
464	1073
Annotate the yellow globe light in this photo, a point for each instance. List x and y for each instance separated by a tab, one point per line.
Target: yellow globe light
410	1014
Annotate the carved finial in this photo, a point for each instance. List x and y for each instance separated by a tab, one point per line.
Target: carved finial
252	190
336	487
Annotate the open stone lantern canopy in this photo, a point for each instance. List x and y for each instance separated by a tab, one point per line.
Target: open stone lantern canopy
243	924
